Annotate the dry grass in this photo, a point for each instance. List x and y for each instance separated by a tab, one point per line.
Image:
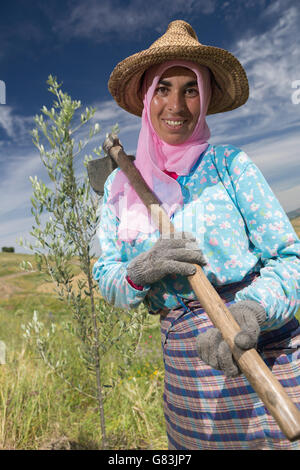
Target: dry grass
40	411
296	225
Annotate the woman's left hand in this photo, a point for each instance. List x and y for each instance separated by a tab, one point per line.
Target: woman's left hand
215	352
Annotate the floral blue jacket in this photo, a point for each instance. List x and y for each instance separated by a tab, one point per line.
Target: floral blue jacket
240	227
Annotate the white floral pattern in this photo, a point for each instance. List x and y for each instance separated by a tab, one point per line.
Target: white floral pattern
240	227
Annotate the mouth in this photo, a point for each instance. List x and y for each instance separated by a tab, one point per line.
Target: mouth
174	124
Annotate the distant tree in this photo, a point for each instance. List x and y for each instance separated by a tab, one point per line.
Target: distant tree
8	249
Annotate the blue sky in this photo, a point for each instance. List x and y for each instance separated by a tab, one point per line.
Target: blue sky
80	42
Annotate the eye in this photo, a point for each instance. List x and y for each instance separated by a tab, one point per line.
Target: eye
162	90
191	92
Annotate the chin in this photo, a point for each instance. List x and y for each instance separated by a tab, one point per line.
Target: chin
175	141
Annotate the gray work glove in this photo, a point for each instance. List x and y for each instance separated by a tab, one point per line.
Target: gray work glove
215	352
167	256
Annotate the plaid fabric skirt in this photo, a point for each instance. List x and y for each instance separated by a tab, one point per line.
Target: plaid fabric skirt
204	410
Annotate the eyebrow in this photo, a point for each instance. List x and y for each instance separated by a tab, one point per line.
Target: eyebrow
169	84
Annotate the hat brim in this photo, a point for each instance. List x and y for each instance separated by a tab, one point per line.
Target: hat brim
230	87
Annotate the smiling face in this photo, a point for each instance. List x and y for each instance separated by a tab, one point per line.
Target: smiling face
175	105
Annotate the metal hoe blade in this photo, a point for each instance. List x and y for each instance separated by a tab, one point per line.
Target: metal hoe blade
98	172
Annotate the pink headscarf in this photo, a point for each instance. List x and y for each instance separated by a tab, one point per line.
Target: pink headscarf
153	156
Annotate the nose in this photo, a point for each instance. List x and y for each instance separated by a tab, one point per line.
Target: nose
176	102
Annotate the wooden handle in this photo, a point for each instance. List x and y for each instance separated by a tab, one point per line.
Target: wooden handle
267	387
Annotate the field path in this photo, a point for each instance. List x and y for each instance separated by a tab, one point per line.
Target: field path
18	274
7	289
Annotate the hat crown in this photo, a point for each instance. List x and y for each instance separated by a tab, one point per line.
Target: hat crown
179	33
229	80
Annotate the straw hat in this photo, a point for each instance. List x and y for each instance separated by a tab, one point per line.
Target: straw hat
230	85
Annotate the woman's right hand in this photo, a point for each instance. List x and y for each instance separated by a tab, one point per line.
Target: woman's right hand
167	256
111	141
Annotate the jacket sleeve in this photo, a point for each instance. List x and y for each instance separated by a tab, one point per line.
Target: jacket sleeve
274	242
110	269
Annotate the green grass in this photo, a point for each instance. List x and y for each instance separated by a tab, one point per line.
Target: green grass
40	411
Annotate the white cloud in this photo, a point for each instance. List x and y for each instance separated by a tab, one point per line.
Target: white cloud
276	155
272	62
15	126
107	111
6	120
108	114
15	186
266	127
12	231
278	159
289	198
105	19
15	192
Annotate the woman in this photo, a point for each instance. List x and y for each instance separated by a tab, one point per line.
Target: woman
229	222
